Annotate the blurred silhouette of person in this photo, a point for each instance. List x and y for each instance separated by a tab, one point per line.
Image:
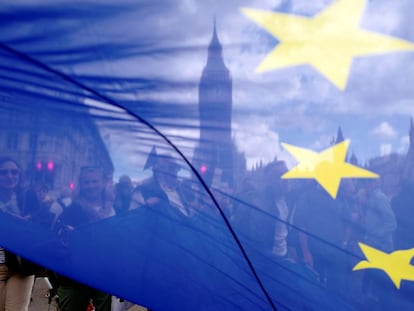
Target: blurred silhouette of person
323	221
91	205
402	205
40	205
380	222
262	213
245	210
379	226
275	194
162	191
16	273
65	197
123	195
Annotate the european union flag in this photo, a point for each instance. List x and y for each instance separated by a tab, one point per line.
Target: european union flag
190	155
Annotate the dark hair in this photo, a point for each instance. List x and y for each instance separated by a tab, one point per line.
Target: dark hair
19	188
4	159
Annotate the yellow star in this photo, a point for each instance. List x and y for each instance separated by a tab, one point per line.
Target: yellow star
327	41
396	264
327	167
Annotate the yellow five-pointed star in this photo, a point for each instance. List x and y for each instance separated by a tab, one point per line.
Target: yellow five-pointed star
328	167
396	265
327	41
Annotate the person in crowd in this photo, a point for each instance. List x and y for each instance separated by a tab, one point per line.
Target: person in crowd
402	205
162	191
246	218
294	190
123	195
40	205
65	197
379	226
380	222
59	204
275	194
16	274
168	208
261	215
261	218
91	205
322	221
350	212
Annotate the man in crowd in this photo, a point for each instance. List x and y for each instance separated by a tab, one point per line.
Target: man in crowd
91	205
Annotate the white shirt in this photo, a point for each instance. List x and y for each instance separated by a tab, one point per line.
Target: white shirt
281	231
10	206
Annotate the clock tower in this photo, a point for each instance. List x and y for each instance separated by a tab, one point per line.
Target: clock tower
213	156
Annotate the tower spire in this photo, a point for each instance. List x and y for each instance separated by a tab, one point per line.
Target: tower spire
339	136
215	48
215	110
214	23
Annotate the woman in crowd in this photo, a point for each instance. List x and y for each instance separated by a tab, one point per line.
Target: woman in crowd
16	274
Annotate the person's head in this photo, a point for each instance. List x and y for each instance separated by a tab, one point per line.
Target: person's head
10	174
92	182
124	184
165	169
41	191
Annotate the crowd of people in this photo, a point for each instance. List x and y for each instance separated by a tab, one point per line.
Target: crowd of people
290	221
61	215
299	222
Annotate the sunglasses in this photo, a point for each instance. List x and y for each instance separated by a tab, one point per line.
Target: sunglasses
12	172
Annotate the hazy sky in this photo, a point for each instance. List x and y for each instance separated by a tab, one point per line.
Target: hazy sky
151	56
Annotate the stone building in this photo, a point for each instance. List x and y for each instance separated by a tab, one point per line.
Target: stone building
51	143
393	168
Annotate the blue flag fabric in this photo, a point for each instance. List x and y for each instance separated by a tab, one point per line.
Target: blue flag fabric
186	155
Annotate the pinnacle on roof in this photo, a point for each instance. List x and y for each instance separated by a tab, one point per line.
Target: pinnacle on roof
339	136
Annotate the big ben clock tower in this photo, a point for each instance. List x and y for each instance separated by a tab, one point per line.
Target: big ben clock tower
214	155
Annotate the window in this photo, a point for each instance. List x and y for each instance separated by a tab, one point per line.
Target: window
12	141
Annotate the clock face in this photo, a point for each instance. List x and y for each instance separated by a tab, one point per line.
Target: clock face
216	92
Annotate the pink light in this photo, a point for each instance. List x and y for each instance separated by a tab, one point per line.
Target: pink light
203	168
50	166
72	185
39	166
